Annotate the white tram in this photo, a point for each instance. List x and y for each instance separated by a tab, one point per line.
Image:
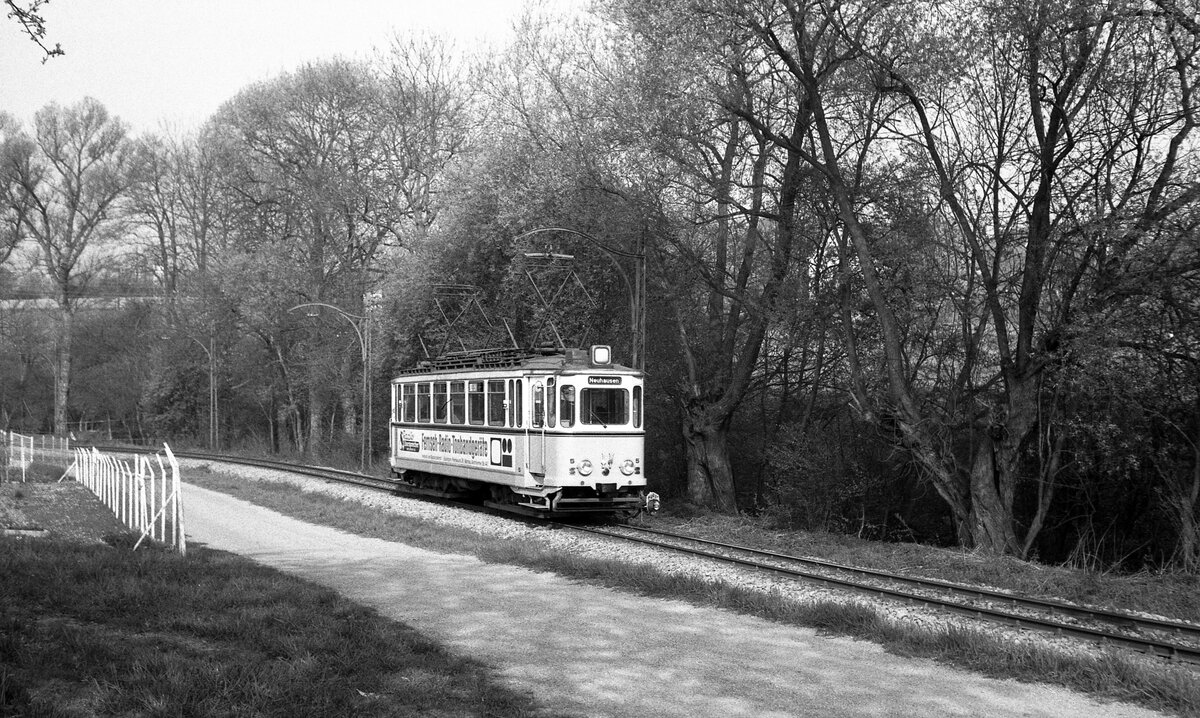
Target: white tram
547	433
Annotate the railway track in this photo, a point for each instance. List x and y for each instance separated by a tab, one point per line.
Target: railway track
318	472
1174	640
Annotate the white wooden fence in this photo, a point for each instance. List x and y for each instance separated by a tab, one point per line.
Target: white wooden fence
18	451
143	499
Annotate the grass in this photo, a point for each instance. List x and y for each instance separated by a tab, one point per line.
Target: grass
1107	674
91	630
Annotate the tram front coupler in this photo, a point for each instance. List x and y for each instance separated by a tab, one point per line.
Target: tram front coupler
652	503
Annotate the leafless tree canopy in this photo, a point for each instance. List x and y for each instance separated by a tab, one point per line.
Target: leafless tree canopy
911	269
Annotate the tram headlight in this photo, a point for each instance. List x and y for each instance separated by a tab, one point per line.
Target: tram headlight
627	467
585	468
601	355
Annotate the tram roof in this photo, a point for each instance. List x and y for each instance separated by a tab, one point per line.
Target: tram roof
498	359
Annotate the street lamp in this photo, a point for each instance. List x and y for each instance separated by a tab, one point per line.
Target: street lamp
635	286
214	443
214	439
364	342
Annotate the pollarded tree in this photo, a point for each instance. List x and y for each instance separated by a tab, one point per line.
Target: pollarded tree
68	178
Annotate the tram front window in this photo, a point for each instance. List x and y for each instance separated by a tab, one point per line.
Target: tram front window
604	407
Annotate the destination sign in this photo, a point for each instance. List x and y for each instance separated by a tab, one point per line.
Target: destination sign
609	380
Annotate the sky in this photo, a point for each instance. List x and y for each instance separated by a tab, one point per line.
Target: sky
171	63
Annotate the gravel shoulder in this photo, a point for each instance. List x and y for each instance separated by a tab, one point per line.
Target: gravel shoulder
585	650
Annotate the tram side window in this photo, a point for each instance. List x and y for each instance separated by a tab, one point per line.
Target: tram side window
423	403
512	404
495	402
566	406
637	407
458	402
550	398
410	403
518	399
538	406
475	402
441	402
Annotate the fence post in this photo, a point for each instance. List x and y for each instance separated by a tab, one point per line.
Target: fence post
177	499
162	516
141	495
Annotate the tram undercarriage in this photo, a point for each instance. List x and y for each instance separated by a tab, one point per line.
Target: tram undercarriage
541	502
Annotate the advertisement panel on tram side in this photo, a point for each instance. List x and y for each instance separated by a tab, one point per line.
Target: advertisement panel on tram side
457	448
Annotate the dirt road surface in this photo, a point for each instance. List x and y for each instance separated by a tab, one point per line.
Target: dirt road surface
588	651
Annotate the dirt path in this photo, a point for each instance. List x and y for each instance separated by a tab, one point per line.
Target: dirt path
590	651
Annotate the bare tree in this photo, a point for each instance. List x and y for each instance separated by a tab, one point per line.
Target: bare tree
68	178
1050	207
1074	105
11	147
424	111
1066	97
323	168
155	203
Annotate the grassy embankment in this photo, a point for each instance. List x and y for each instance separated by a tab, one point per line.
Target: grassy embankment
89	630
1109	674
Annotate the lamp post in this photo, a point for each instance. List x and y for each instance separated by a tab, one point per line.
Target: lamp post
364	342
635	286
214	443
213	420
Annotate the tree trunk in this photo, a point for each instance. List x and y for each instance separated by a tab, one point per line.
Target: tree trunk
272	430
62	368
1051	464
710	475
991	519
316	409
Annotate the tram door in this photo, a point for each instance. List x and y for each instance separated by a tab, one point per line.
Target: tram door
535	432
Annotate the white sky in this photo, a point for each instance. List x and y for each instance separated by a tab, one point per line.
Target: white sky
152	62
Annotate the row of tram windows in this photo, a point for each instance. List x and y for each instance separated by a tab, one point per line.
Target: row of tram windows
499	402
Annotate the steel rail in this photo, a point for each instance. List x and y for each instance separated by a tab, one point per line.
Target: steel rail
1154	646
320	472
1051	606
